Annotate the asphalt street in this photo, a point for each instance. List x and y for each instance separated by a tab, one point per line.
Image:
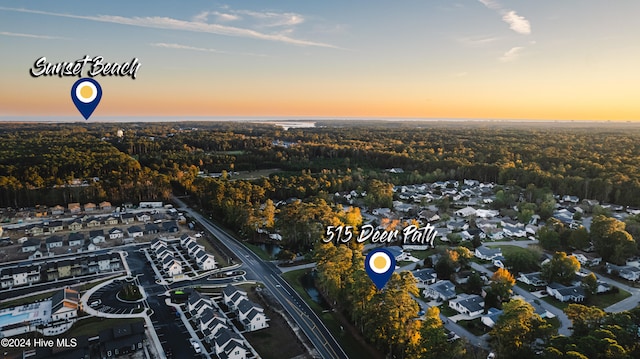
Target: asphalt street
267	273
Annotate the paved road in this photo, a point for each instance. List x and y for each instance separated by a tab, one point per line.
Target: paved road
622	305
269	275
565	323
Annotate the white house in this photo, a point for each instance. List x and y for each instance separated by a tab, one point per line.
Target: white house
491	318
532	279
442	290
115	233
251	316
466	212
469	304
172	266
487	253
205	261
135	231
566	294
232	296
229	345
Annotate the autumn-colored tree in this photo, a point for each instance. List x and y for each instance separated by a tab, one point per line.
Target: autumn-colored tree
561	268
501	283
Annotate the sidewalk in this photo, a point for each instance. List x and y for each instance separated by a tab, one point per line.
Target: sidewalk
149	325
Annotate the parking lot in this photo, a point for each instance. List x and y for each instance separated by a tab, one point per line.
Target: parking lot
105	300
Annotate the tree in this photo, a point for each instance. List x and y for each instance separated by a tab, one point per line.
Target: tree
602	228
561	268
501	283
525	260
286	255
584	318
433	339
379	194
624	246
579	238
549	238
517	329
474	283
590	284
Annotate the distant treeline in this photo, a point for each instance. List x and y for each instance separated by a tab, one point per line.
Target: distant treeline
589	161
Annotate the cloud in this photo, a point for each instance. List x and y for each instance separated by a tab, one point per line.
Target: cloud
273	19
478	40
200	49
44	37
512	54
220	16
168	23
517	23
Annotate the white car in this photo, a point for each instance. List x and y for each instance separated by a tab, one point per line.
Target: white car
195	346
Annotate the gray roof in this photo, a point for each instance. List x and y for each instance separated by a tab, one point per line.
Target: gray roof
425	274
445	288
472	302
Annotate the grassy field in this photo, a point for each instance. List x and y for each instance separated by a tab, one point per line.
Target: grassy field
351	346
508	250
605	300
26	300
259	251
250	175
93	325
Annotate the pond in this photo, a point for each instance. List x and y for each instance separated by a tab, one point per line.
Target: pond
309	287
271	248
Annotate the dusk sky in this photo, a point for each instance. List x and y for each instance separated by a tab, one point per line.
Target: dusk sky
493	59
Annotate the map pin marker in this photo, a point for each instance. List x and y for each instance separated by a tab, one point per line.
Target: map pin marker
380	265
86	94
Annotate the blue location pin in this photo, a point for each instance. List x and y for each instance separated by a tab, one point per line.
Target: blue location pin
380	264
86	94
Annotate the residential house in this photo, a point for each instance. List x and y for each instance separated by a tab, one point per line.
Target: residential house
211	324
491	318
627	272
53	242
54	226
504	222
74	207
35	230
76	239
566	293
251	316
143	217
425	277
466	212
127	218
532	279
151	228
185	239
487	253
115	233
499	262
172	266
398	253
196	301
105	206
75	225
457	225
90	207
229	345
97	236
64	268
93	222
205	260
469	304
57	210
442	290
170	226
111	221
65	304
135	231
122	340
514	231
232	296
30	245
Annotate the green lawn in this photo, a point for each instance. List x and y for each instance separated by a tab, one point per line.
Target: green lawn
93	325
259	251
508	250
26	300
556	303
474	326
352	347
607	299
447	311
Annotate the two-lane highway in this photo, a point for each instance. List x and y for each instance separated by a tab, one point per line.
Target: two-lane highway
267	273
